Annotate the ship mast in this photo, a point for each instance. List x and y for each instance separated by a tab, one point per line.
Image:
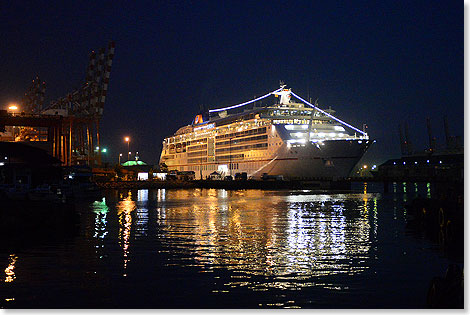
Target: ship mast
284	93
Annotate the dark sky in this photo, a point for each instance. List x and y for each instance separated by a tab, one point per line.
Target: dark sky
374	62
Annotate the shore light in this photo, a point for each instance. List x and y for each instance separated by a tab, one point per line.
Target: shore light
128	140
13	107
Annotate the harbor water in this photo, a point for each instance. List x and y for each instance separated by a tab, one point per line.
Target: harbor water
208	248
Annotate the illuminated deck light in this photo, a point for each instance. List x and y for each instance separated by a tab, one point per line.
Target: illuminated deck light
331	116
243	104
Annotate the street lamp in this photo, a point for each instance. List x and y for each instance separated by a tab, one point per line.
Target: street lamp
13	107
128	140
120	154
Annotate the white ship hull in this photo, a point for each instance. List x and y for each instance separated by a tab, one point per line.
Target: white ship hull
332	159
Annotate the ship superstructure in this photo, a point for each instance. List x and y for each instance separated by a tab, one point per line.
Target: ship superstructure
292	140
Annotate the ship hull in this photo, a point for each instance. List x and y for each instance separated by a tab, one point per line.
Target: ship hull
332	159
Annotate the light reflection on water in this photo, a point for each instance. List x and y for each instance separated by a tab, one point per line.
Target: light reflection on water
124	210
253	240
292	236
100	209
10	275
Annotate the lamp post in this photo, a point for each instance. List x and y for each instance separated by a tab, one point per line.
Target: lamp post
13	109
128	140
120	154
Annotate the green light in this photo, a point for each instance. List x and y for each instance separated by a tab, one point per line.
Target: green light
133	163
104	150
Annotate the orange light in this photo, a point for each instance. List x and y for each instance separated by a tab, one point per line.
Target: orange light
126	139
13	107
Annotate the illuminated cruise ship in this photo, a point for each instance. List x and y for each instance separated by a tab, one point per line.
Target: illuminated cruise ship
289	140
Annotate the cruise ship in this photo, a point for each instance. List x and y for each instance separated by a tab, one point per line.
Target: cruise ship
294	140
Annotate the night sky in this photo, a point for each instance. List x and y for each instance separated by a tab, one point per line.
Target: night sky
374	62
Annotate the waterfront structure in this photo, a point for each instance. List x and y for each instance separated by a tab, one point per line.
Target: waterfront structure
288	140
68	128
444	162
437	166
24	166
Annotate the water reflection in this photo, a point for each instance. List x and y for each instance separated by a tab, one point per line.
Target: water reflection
124	210
292	237
165	247
298	235
161	194
100	229
142	216
10	275
101	212
376	219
